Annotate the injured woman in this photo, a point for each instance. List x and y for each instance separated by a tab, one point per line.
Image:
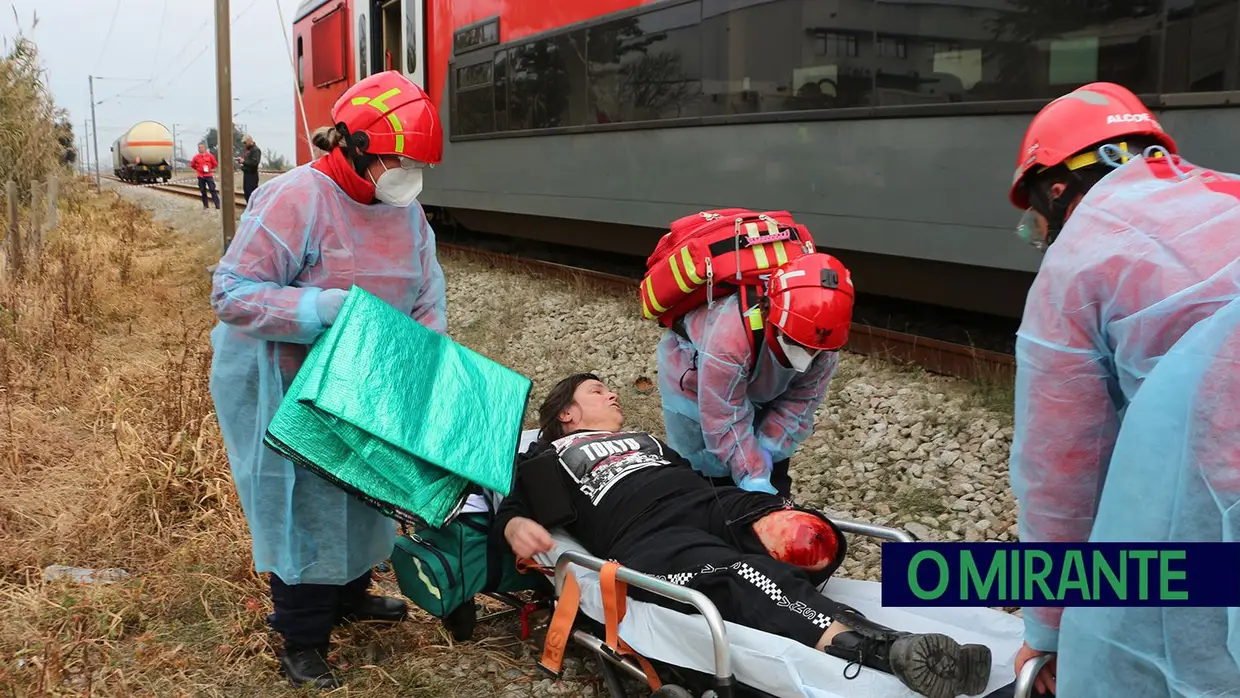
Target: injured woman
626	496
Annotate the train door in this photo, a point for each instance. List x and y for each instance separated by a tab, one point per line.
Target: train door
396	39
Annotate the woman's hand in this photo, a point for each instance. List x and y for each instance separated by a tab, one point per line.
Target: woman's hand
527	537
1045	680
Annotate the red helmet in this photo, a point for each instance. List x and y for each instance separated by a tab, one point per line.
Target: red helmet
392	116
811	301
1096	113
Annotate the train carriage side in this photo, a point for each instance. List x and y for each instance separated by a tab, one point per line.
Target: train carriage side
890	128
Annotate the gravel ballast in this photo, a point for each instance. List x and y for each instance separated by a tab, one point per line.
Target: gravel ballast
892	445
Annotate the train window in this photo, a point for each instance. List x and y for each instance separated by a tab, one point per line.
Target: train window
788	55
301	67
522	88
1201	46
960	52
327	37
568	87
547	82
476	36
499	71
646	67
474	100
411	45
363	69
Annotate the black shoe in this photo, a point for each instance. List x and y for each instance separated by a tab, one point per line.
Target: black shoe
460	622
380	608
308	665
931	664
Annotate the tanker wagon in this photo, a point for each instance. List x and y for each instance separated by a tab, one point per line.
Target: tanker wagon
143	154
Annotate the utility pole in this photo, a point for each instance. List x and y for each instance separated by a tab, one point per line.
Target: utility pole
223	83
95	123
86	147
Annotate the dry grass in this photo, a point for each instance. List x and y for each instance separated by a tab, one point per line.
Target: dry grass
111	458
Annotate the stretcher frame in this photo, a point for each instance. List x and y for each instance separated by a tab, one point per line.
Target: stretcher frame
725	683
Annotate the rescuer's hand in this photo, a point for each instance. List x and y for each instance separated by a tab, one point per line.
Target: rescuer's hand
1045	680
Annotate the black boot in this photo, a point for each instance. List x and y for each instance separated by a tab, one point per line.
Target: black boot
460	622
308	665
367	607
358	605
931	664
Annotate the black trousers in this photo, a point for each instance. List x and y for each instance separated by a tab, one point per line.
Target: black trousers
781	479
249	182
305	613
205	184
705	542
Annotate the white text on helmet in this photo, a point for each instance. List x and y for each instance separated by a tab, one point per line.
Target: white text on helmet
1128	118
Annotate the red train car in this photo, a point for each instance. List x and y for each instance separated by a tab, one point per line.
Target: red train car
338	42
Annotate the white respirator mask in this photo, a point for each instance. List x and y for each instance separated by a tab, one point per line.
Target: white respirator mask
399	186
798	356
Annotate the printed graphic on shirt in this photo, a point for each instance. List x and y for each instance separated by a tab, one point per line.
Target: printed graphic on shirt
597	460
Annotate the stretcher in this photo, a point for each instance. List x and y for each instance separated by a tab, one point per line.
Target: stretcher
675	652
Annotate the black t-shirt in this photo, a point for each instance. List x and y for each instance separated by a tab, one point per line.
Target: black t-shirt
596	483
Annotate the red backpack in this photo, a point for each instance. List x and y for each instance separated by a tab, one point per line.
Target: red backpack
732	248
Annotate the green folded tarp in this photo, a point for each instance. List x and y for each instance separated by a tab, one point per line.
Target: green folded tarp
401	416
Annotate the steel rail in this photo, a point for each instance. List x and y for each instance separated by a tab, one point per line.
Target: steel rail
934	355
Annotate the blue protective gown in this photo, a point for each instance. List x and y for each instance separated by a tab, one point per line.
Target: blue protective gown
1145	256
711	400
1174	476
302	234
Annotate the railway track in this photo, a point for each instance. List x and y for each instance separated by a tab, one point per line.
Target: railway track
934	355
189	190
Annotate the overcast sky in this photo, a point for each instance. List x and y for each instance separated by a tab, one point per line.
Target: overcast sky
155	59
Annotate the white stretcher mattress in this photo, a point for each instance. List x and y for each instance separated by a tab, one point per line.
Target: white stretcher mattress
783	667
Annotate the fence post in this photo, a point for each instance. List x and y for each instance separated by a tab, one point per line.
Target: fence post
13	238
48	214
31	240
53	195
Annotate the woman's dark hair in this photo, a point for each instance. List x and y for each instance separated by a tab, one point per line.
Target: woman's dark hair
560	397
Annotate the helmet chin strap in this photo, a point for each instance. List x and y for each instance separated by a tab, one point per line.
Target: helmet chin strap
354	149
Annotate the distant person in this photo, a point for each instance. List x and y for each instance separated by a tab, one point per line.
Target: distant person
204	165
249	161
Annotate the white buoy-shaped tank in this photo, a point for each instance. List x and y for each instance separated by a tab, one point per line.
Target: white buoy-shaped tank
144	152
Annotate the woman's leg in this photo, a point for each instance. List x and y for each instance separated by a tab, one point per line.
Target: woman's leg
760	592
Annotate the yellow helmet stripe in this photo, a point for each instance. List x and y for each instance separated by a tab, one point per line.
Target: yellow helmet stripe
396	128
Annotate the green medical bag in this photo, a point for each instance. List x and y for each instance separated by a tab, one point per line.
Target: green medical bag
441	568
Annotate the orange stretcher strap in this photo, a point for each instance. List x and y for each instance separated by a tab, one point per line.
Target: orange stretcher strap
615	605
561	627
526	565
